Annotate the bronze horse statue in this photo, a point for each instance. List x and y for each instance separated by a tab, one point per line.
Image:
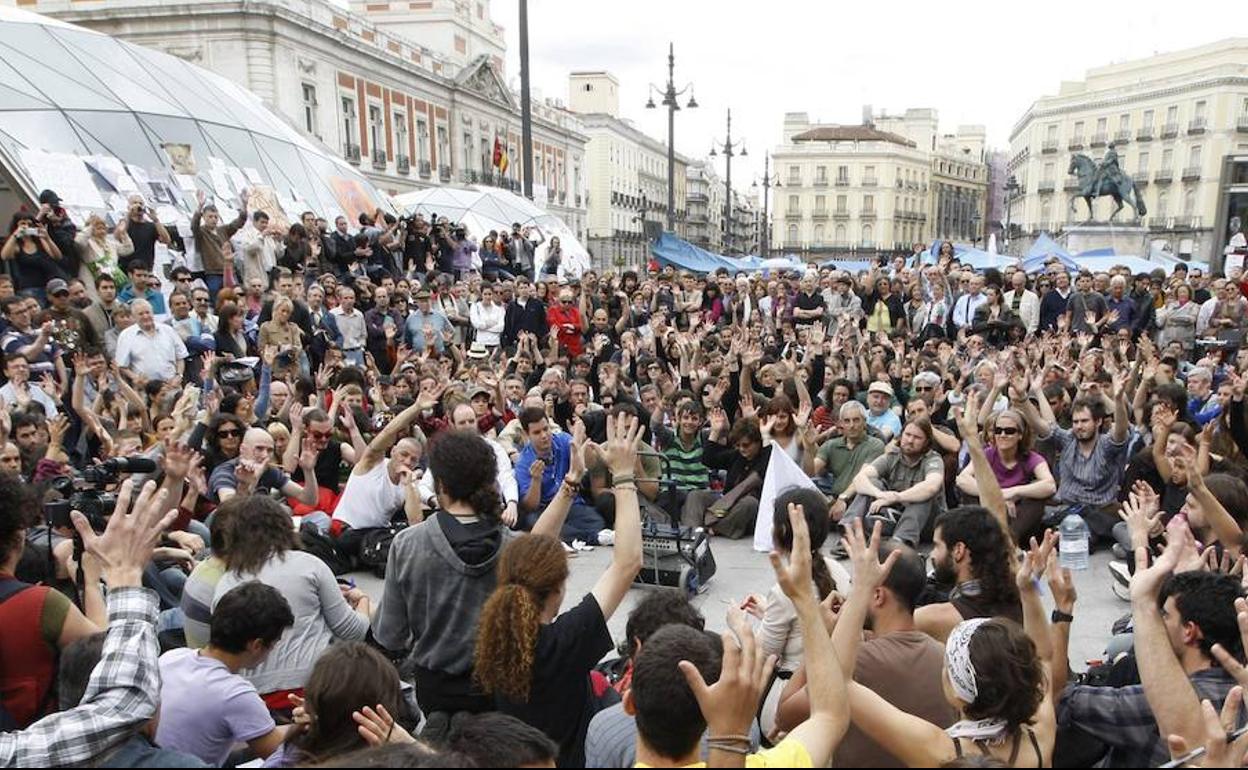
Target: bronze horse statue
1119	186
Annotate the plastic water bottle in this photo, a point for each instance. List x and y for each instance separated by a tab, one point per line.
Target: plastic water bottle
1075	537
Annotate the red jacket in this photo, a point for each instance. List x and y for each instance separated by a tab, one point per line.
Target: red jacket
560	318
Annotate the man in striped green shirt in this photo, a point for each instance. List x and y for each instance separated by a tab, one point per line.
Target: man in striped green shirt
683	451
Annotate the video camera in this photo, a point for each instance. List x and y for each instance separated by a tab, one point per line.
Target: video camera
87	493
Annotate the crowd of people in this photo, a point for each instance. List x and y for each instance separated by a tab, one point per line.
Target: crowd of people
193	463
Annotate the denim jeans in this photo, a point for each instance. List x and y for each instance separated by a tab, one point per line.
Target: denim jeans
583	523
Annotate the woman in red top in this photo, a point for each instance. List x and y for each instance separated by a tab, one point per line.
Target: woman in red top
567	321
35	621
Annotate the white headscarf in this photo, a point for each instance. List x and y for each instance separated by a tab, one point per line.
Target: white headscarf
962	678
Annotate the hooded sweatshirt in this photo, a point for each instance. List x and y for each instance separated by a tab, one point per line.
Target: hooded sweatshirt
439	576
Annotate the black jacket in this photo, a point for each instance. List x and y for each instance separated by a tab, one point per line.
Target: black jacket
530	318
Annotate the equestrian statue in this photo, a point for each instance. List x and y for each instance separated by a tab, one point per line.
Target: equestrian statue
1104	178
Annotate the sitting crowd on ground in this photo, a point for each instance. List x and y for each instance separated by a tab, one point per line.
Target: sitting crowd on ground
194	464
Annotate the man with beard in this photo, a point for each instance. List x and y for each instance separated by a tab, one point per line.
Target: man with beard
899	662
905	488
1091	464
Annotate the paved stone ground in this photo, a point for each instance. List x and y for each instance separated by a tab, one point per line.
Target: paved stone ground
742	571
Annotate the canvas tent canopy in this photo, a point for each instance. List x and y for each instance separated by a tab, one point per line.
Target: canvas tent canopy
482	209
1044	249
97	119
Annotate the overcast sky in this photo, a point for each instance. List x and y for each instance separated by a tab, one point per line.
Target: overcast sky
974	62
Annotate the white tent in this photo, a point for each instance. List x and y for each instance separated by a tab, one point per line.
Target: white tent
482	209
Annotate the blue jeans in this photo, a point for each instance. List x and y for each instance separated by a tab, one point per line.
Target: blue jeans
583	523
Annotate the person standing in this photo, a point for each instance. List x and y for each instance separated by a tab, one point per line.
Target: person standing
351	327
143	229
488	318
212	241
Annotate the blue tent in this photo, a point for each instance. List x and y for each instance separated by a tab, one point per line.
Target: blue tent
1109	252
683	255
848	265
1042	250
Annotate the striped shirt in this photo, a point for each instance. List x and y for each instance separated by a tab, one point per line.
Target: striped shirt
687	468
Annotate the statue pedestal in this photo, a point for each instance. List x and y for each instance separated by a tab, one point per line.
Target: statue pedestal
1124	239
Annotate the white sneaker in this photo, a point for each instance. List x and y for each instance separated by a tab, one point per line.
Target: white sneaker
569	550
606	537
581	545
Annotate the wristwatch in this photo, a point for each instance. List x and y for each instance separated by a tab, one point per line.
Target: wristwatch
1062	617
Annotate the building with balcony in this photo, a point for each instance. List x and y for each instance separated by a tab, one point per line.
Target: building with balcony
385	85
704	199
1174	120
627	176
881	185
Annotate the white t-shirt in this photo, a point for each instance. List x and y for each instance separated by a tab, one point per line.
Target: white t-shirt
369	500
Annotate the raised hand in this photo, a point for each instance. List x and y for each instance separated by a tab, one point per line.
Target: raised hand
126	545
1034	564
869	573
378	728
623	441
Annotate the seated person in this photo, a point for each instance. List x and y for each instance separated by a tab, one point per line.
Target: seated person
1024	476
906	488
741	453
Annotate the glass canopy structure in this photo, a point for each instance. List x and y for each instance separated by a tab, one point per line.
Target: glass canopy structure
97	119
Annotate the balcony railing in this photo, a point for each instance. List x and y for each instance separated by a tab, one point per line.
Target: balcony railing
403	164
1163	176
1123	136
578	201
842	181
1140	178
697	197
352	153
1071	185
1050	145
426	169
870	181
1191	173
794	181
1197	125
867	214
444	173
1046	186
1181	222
1145	134
1241	125
819	214
1075	143
1170	130
1099	139
793	214
819	182
841	214
379	159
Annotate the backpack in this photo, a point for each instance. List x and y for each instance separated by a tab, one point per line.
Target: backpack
323	547
375	547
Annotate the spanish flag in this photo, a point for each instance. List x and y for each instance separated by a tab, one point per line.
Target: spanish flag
500	157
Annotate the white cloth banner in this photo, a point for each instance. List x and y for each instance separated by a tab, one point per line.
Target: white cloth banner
782	475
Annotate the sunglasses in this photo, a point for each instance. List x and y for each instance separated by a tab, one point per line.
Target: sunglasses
924	389
322	435
231	433
1005	431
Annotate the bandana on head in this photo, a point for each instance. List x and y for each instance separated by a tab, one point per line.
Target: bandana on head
962	678
958	659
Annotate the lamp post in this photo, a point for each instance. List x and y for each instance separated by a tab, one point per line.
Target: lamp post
526	103
670	95
975	233
729	149
764	238
1011	187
